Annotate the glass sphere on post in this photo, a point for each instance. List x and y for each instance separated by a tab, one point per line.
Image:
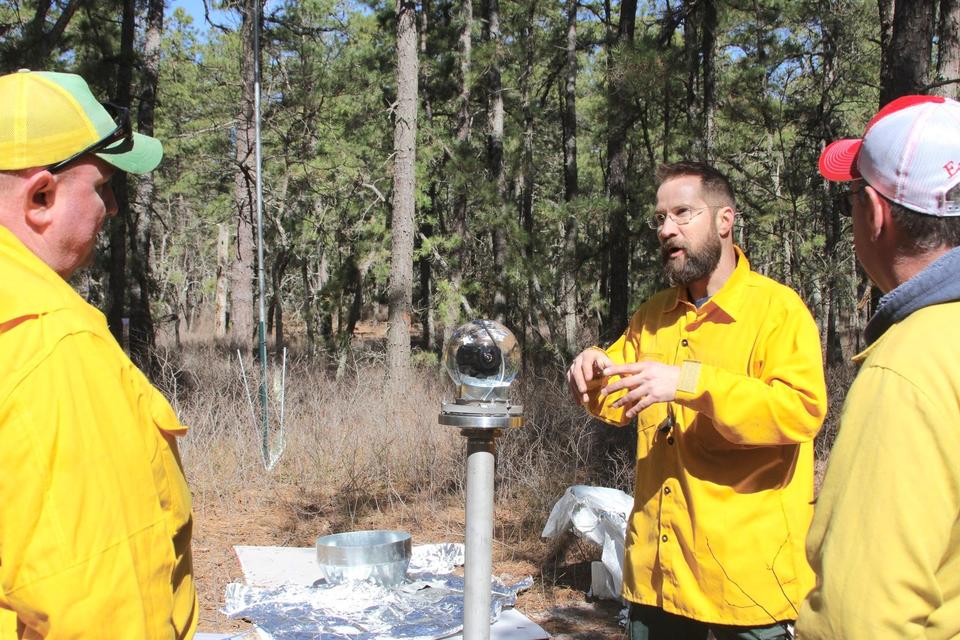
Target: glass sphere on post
482	358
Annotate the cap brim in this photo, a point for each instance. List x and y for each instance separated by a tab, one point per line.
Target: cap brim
838	162
140	155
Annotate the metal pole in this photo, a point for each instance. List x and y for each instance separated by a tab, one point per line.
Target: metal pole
261	325
478	567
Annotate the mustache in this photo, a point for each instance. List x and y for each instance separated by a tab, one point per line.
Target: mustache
670	245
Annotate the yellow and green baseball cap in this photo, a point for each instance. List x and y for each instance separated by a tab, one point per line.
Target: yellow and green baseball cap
49	119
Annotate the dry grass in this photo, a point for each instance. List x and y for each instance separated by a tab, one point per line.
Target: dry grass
355	441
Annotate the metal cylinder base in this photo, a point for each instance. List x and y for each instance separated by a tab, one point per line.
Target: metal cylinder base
478	566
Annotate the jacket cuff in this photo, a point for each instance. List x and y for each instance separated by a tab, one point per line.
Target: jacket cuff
689	377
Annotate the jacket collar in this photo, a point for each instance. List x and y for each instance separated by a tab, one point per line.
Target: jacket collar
939	282
731	297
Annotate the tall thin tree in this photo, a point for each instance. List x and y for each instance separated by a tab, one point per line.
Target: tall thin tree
458	222
404	186
244	256
495	116
620	44
140	227
571	185
117	233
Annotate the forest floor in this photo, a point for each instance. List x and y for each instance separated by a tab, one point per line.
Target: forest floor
560	568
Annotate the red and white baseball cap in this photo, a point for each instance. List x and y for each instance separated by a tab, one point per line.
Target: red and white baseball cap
910	153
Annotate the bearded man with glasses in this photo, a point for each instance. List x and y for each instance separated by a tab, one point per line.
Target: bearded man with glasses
95	513
723	373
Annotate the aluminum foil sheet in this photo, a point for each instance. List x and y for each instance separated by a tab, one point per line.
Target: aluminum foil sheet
426	606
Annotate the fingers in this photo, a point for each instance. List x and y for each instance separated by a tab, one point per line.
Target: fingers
625	382
602	361
579	373
622	369
643	401
636	390
586	368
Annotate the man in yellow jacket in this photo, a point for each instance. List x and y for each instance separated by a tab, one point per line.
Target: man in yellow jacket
95	515
723	372
885	539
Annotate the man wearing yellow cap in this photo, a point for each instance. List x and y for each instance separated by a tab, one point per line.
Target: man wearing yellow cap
95	515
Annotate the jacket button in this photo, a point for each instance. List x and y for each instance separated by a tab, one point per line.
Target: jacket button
666	490
685	342
663	537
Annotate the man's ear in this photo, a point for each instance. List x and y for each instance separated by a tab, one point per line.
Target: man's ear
725	219
877	214
39	191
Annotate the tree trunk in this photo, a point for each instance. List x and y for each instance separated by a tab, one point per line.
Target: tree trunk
458	222
906	66
400	294
834	345
276	300
309	319
325	313
495	157
117	295
571	187
140	229
526	180
885	14
699	35
356	304
220	292
244	258
691	54
117	275
948	48
425	301
708	40
618	232
829	203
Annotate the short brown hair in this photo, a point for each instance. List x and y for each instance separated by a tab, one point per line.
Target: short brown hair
926	232
712	181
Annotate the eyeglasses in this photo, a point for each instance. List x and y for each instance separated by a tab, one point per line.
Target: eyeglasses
849	195
123	131
680	216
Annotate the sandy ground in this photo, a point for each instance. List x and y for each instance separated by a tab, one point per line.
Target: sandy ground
561	569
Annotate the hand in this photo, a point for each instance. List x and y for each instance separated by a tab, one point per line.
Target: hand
585	373
648	382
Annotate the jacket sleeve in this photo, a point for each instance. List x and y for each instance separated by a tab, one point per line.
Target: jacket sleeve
620	352
86	545
782	401
885	519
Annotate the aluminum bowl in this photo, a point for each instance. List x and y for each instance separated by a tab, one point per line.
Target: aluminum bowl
379	556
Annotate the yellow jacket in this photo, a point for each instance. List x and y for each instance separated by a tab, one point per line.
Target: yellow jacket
95	515
885	539
722	500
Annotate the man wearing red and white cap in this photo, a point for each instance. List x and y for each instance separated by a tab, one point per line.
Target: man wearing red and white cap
95	514
885	539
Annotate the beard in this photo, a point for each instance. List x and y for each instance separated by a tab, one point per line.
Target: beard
698	263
